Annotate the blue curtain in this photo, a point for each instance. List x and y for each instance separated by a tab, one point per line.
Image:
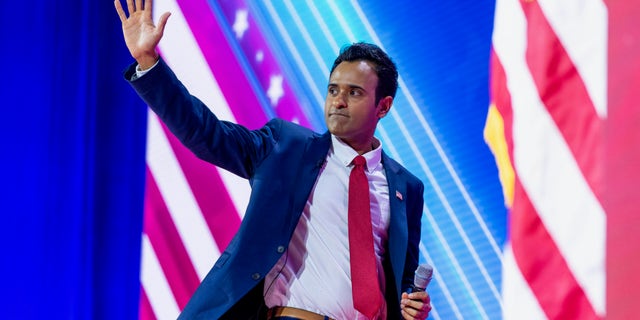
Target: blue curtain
73	141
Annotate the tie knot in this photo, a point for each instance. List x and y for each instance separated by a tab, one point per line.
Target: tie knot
359	161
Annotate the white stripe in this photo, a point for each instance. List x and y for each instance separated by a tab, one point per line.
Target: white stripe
548	172
519	301
180	50
155	284
181	203
582	26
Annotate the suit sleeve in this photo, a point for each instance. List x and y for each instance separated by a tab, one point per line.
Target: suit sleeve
225	144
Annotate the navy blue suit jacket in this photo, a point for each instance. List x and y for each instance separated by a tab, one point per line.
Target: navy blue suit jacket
282	161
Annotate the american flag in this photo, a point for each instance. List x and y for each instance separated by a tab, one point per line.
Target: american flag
554	104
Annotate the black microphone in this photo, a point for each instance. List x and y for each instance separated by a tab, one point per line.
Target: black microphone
421	279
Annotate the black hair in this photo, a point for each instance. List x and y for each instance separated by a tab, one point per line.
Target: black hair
384	67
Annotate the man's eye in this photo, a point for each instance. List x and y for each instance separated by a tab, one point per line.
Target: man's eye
355	92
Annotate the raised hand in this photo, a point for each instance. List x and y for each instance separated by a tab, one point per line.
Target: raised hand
140	33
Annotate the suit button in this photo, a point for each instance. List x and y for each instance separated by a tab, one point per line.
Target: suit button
255	276
280	249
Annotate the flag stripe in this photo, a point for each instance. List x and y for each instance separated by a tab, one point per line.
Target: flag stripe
155	284
501	100
532	254
223	63
541	155
519	302
564	94
197	76
209	190
170	251
146	312
581	27
179	199
178	45
543	266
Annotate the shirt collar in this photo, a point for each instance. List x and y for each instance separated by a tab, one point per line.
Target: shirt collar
345	154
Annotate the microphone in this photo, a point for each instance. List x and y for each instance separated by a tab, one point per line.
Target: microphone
422	277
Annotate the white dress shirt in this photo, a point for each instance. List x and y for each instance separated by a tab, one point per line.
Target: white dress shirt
314	274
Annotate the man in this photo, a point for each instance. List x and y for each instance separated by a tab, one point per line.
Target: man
333	224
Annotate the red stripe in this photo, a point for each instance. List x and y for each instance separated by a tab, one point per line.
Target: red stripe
536	254
168	246
210	192
623	160
564	95
501	98
223	63
146	312
542	265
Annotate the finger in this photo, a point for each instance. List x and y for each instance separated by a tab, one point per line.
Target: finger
148	5
130	7
123	17
414	304
423	296
139	5
410	314
407	313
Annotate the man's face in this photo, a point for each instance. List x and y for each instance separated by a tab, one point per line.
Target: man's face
350	110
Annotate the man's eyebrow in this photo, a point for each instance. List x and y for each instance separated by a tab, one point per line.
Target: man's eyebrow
350	85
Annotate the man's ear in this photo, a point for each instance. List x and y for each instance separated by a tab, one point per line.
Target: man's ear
384	106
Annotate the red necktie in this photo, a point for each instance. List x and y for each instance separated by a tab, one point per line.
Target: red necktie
364	277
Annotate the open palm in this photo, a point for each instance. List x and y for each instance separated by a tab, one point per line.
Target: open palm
141	35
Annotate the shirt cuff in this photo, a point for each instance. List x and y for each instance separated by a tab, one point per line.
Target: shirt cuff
140	73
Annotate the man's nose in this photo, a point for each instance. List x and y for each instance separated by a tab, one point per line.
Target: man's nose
339	101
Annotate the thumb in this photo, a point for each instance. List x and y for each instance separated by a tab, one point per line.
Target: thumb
163	22
405	295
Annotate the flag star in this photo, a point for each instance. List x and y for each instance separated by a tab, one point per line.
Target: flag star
259	56
241	24
275	91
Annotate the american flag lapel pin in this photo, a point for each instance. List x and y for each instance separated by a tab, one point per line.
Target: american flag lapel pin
398	195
